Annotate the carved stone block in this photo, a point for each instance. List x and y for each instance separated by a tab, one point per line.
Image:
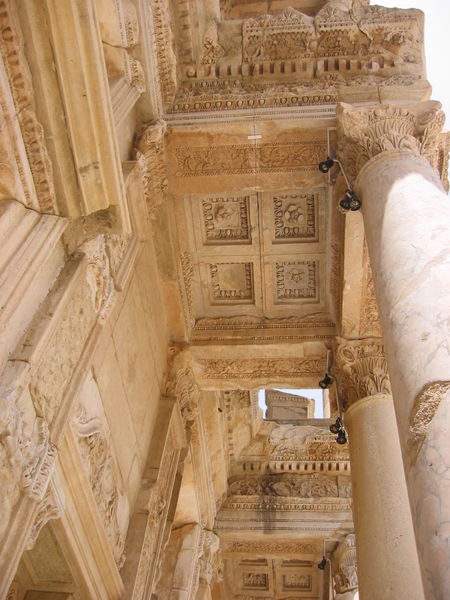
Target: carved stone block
296	280
296	581
231	283
255	581
226	220
295	217
286	36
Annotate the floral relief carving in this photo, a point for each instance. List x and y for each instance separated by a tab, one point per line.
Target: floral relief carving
297	280
226	219
364	133
27	456
100	464
252	368
245	158
362	369
295	217
187	271
344	561
286	486
271	547
285	36
211	49
150	154
369	323
187	393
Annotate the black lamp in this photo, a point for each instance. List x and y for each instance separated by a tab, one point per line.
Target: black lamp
336	427
326	165
341	437
325	382
350	201
322	564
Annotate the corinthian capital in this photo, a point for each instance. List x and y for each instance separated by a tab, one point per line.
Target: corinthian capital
365	132
361	369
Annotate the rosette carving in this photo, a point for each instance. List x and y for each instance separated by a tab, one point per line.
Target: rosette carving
363	133
361	369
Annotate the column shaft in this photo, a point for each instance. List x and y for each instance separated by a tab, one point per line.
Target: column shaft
407	222
388	566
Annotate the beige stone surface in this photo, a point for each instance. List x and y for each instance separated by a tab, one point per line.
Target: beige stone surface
168	248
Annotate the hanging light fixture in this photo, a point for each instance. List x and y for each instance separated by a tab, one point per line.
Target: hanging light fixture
350	201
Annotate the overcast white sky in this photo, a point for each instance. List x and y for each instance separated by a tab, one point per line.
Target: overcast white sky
437	44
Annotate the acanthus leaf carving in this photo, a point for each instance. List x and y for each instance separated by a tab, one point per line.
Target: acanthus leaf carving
362	369
365	133
344	562
48	510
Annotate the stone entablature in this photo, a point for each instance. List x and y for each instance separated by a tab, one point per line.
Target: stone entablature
292	59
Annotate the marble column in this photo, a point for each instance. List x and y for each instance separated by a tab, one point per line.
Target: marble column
392	153
387	559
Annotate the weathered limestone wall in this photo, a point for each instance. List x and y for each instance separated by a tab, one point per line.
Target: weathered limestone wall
129	366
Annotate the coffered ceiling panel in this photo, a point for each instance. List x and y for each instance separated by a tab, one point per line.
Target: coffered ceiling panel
256	253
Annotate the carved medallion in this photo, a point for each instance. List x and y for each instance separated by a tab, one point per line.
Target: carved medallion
297	280
295	217
226	220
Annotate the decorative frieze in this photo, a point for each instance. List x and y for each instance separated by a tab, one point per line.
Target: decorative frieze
362	369
252	368
21	87
270	547
285	485
365	133
243	159
164	42
285	36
